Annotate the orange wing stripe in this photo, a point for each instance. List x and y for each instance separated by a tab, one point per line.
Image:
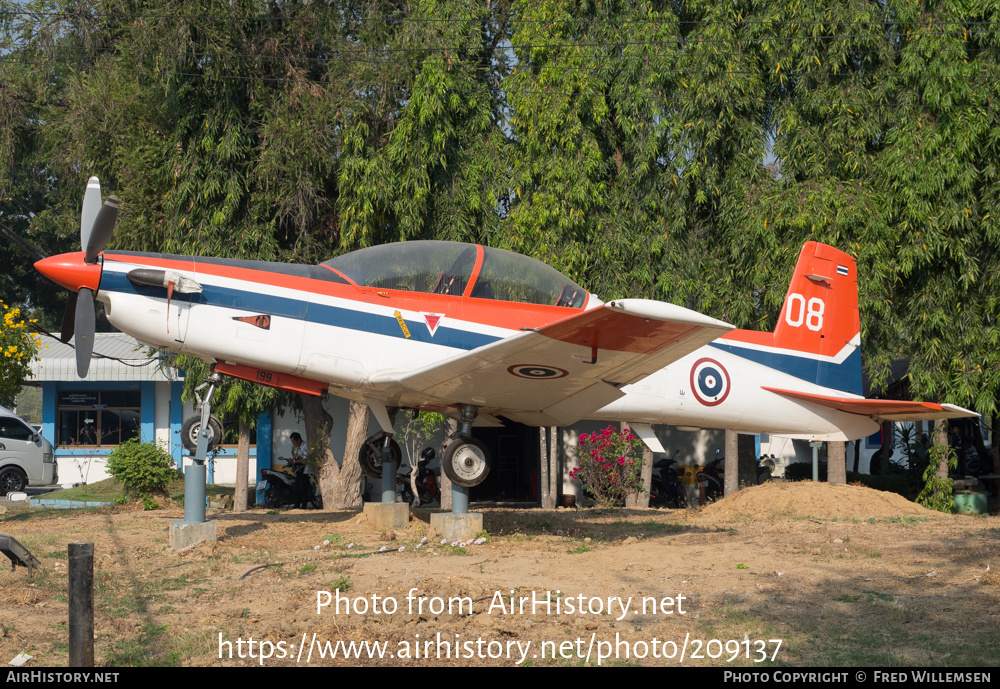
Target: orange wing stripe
616	331
861	406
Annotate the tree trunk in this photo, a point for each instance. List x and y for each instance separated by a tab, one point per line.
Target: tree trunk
346	489
836	458
995	443
318	425
941	439
543	468
242	468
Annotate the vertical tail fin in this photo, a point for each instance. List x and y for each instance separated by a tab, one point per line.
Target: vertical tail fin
818	336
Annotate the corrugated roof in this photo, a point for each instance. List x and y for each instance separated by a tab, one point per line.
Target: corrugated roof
117	357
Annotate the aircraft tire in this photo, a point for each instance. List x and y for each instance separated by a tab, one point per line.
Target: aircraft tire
192	427
370	455
466	462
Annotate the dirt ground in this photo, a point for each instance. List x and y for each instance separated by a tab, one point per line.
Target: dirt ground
792	574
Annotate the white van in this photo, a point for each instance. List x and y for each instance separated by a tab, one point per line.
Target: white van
26	458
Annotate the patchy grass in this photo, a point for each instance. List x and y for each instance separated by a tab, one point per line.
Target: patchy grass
110	490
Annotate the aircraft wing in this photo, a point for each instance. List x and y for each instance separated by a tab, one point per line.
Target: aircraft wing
560	372
881	410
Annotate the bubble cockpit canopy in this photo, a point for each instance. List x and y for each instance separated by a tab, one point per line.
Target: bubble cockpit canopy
454	268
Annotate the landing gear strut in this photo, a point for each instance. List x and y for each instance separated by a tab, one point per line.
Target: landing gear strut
194	476
371	457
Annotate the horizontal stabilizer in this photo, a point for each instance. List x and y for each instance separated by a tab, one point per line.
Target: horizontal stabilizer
881	410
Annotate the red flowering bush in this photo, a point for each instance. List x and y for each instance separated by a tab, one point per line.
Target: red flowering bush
610	465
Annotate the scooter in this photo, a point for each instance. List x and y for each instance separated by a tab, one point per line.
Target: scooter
765	468
279	489
427	481
710	480
665	488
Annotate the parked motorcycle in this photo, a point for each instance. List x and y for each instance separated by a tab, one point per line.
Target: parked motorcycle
279	488
765	468
665	488
710	480
427	481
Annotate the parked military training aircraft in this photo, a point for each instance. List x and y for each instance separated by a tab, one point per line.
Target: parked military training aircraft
479	333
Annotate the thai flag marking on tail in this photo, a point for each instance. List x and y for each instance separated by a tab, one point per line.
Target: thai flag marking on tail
842	270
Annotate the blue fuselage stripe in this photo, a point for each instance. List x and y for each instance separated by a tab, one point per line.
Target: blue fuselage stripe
302	309
845	376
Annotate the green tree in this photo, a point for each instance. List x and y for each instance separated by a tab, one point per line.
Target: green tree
19	347
237	400
424	155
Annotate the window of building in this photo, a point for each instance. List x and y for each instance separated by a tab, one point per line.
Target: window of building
91	418
231	432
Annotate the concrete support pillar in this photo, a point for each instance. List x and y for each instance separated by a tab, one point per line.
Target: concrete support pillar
836	462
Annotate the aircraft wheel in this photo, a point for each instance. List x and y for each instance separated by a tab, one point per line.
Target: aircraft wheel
466	462
192	427
370	455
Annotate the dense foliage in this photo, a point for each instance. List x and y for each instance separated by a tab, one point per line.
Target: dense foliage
142	468
19	347
609	465
678	151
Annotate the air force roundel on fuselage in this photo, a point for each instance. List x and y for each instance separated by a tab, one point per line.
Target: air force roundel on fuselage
709	382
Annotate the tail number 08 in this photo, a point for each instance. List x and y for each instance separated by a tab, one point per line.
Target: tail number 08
800	311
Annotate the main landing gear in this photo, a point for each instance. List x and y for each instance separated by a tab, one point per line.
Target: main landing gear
370	457
466	461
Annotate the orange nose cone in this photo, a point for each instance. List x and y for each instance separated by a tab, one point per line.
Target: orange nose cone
70	271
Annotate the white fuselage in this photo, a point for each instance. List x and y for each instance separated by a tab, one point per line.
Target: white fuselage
345	343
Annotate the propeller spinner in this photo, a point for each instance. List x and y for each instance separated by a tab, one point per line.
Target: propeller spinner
81	272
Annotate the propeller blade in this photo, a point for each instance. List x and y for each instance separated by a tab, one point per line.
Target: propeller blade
85	324
104	225
91	207
69	319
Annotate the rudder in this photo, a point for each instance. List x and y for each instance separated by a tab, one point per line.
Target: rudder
818	335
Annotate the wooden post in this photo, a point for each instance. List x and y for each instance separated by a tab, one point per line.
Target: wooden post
81	604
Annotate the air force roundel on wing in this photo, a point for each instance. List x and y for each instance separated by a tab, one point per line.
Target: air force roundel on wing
709	382
537	372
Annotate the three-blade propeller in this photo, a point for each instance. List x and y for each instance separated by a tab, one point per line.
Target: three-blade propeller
97	223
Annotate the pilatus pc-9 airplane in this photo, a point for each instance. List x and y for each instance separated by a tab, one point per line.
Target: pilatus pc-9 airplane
480	333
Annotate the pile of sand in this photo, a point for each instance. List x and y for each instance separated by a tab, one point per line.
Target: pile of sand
800	499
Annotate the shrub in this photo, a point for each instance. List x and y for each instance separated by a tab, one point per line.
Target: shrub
610	465
143	468
803	471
